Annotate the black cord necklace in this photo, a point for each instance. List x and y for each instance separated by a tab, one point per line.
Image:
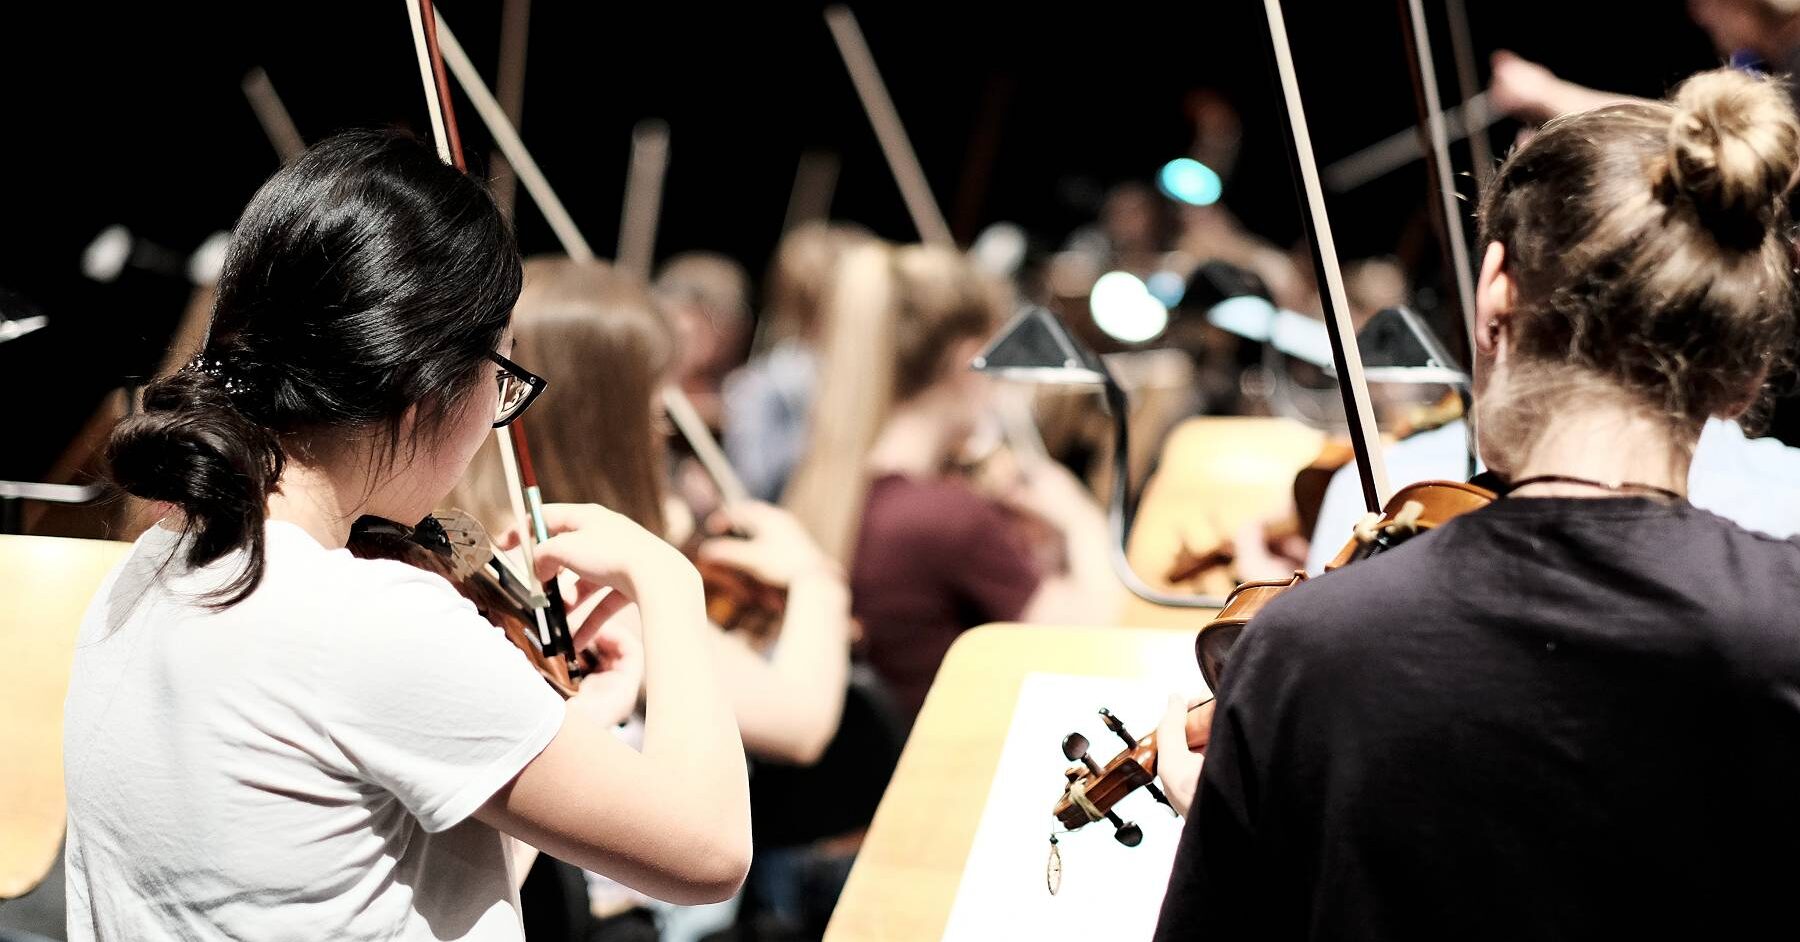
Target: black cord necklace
1620	487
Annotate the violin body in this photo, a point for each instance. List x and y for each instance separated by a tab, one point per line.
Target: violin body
1215	640
381	539
738	602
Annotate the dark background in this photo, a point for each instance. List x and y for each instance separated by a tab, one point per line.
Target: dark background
133	114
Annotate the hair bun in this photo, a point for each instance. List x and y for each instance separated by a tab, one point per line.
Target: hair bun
190	447
1733	148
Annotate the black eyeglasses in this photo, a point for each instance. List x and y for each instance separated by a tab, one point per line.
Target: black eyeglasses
518	387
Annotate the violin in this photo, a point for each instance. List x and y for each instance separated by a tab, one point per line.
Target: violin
454	546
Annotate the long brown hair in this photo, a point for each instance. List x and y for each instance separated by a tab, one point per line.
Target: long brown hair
800	279
595	334
1648	246
894	313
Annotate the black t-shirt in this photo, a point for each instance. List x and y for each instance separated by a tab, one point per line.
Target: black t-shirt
1554	718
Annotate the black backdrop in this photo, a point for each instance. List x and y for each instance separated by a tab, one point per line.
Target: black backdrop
133	115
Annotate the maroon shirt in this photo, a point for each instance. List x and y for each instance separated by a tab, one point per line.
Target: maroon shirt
933	559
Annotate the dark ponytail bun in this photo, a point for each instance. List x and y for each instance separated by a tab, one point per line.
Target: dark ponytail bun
191	447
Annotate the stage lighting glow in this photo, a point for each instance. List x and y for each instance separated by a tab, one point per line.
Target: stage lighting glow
1190	181
1125	309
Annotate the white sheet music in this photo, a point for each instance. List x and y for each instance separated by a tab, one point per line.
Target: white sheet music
1107	889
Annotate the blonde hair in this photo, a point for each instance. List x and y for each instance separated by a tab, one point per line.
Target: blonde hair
1648	248
800	277
894	315
593	331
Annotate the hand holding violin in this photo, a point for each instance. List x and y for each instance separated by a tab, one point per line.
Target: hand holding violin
773	546
610	694
1179	769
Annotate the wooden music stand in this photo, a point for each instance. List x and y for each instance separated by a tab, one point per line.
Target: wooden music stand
47	582
911	863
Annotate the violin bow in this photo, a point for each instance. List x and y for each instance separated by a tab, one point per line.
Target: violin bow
681	410
1438	170
1371	468
283	135
1018	425
509	85
515	452
643	198
926	215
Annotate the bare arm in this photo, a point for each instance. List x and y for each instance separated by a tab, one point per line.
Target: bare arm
788	705
1089	592
1529	91
672	821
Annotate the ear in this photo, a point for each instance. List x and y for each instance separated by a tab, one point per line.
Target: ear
1495	295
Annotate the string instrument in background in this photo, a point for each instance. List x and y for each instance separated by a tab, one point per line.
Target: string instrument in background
735	599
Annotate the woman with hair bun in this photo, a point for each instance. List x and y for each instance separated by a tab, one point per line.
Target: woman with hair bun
1574	713
267	737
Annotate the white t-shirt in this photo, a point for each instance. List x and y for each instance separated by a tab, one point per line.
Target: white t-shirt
302	765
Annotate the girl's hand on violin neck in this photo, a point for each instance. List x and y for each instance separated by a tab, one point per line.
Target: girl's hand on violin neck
607	549
775	548
1176	766
614	635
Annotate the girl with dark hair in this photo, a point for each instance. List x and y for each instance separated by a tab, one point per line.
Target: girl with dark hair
267	737
1575	713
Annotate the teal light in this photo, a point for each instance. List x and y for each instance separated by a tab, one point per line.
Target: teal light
1190	181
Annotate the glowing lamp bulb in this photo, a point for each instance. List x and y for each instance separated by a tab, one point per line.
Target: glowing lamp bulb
1190	181
1125	309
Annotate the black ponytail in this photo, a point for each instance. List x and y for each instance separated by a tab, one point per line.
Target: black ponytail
363	280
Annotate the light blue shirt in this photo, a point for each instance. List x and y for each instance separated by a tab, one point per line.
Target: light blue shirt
1753	482
767	415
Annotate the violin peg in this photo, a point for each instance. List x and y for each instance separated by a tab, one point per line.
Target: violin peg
1074	747
1130	835
1112	722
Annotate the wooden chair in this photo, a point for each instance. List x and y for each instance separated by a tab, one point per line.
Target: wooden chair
46	583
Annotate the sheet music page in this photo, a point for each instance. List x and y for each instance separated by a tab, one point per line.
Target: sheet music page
1107	888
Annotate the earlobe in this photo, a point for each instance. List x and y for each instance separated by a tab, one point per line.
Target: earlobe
1494	298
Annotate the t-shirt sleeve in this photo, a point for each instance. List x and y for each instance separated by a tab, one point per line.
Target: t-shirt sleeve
436	706
989	566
